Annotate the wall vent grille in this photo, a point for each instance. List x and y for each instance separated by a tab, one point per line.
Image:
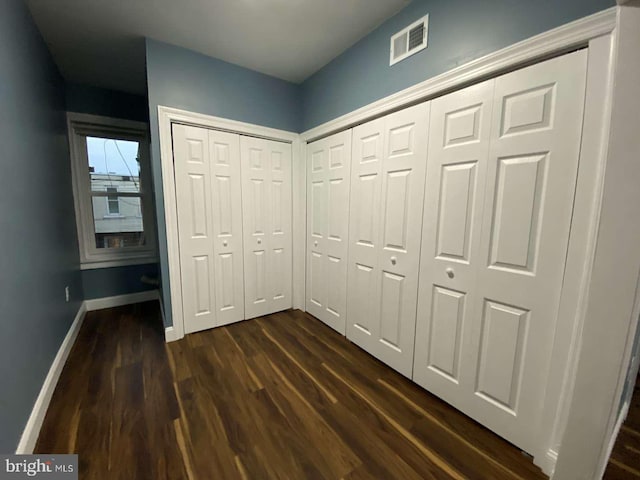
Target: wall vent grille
409	40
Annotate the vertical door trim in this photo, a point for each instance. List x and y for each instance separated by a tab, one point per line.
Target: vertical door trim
580	252
299	234
166	117
611	303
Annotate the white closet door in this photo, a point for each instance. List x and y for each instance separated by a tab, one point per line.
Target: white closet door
195	224
535	146
328	167
450	256
363	309
508	331
224	153
387	189
266	202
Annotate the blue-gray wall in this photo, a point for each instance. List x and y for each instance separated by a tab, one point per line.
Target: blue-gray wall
106	282
39	253
459	31
180	78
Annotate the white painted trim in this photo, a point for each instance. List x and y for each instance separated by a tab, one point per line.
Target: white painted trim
169	115
547	461
170	335
119	300
80	125
34	424
300	228
196	119
581	250
563	38
613	304
119	263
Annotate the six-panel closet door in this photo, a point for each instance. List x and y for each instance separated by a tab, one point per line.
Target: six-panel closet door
387	190
208	192
266	207
450	256
328	169
496	229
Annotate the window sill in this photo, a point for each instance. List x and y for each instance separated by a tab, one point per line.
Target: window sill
118	263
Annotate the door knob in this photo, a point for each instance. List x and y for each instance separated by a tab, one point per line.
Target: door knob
393	260
450	273
259	241
225	243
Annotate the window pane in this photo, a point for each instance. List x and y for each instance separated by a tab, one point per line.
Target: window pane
113	164
118	221
113	204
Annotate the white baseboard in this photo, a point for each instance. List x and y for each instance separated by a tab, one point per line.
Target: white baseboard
119	300
32	429
170	335
548	462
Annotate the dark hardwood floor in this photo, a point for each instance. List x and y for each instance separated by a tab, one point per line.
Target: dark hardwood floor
280	397
624	462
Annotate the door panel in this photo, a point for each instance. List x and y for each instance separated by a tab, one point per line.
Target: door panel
446	332
224	149
514	230
502	340
363	304
195	221
207	170
403	185
266	207
531	176
329	162
494	245
387	185
456	172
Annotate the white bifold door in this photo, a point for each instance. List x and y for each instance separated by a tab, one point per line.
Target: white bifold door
208	192
503	160
328	169
233	198
387	190
266	206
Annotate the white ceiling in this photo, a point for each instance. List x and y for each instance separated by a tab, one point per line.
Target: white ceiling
100	42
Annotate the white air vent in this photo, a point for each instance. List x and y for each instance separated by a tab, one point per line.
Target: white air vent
409	40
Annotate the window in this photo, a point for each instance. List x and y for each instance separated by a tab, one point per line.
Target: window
110	166
113	204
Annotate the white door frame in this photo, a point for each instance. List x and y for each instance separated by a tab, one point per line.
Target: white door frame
166	117
611	304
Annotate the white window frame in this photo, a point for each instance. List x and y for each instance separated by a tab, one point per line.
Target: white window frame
79	126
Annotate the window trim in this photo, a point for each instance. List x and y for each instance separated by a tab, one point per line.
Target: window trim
80	125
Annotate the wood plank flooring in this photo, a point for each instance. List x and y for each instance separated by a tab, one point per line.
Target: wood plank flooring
624	462
279	397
